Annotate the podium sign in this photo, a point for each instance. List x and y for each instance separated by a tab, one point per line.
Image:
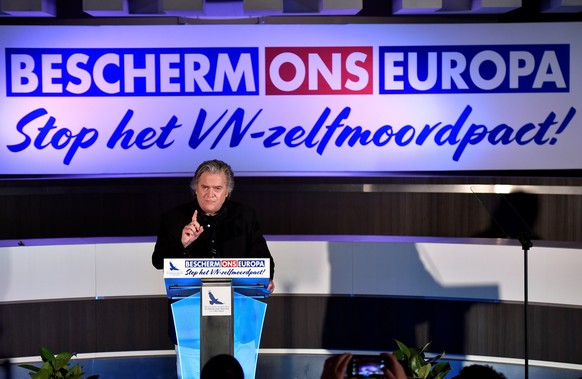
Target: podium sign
183	277
215	310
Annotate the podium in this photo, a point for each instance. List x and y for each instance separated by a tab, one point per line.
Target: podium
216	310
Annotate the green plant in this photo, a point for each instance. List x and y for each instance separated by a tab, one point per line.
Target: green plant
56	367
416	365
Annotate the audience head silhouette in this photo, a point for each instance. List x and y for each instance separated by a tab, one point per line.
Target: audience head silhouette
479	372
222	366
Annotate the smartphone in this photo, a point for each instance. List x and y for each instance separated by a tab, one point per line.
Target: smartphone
366	366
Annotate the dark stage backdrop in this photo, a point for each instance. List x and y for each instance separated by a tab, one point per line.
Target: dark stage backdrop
393	205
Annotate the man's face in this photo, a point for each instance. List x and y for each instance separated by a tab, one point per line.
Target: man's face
211	192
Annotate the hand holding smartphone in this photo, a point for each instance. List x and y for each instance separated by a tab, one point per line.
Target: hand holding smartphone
366	366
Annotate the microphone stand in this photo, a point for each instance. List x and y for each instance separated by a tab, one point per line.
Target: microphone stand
513	226
526	244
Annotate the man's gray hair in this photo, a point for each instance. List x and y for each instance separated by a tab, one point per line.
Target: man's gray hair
214	166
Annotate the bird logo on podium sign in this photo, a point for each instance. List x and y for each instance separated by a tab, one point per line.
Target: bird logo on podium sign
213	299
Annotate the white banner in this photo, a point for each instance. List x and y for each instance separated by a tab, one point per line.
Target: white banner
289	99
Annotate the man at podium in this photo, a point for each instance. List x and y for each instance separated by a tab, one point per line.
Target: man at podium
211	226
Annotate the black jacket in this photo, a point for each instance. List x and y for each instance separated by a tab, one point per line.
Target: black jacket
235	231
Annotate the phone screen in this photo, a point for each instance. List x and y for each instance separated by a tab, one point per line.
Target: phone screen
366	366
